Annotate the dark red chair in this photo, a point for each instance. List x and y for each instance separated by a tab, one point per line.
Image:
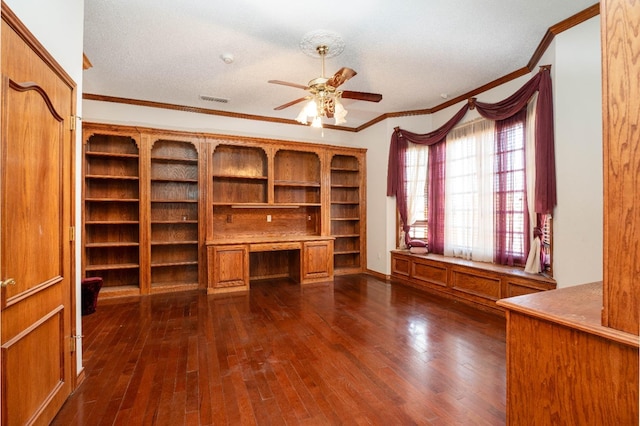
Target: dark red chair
90	287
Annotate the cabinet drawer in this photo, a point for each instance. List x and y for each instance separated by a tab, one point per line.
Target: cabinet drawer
274	246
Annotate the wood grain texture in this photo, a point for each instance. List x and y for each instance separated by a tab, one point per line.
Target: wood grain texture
563	366
577	307
37	370
564	376
621	124
358	351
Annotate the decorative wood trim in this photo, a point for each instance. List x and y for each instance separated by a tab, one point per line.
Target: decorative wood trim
562	26
378	275
23	32
197	110
25	87
86	63
212	139
82	375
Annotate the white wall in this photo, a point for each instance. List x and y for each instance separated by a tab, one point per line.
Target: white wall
578	219
58	25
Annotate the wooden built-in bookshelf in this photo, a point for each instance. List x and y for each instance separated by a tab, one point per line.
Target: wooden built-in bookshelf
348	209
155	202
175	196
112	211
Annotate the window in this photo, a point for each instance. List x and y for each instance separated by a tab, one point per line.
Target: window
416	160
468	222
510	196
485	193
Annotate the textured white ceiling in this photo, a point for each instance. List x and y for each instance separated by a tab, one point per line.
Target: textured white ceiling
410	51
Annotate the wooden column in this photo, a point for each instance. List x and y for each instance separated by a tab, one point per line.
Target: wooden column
621	123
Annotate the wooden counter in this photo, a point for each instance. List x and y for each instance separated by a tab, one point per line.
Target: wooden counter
563	366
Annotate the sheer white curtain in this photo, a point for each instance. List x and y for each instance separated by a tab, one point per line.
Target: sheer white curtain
533	260
417	157
469	191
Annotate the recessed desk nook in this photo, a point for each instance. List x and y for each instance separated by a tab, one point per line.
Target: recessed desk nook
282	210
233	264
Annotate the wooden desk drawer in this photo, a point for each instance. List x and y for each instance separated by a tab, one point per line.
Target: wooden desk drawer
274	246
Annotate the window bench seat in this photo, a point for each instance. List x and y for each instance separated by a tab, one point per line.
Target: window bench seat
476	283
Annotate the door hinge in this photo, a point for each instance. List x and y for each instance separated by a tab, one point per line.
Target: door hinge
72	121
72	233
74	340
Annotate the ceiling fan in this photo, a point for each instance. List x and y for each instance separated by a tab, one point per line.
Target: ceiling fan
324	98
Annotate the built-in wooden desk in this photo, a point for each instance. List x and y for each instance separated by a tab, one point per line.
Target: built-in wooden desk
563	366
233	263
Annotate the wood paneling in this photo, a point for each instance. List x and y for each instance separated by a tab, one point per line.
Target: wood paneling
563	366
400	266
621	124
430	272
470	281
477	283
317	260
229	267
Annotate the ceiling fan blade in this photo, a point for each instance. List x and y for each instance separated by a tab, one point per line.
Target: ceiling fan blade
288	104
362	96
286	83
341	76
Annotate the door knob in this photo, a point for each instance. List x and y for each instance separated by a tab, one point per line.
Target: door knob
7	282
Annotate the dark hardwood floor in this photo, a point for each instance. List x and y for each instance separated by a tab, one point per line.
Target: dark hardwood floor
356	351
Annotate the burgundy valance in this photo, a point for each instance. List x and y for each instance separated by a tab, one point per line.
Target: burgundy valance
545	188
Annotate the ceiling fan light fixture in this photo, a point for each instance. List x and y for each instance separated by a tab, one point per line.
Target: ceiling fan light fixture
317	122
325	99
340	113
308	112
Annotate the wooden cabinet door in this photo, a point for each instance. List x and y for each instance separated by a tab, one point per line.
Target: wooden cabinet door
36	262
228	268
317	260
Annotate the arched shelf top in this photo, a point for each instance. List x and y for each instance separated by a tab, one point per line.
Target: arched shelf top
174	149
239	160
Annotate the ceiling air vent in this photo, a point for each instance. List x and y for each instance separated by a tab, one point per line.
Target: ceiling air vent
214	99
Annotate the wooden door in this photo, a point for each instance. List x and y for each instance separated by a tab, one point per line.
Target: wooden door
36	266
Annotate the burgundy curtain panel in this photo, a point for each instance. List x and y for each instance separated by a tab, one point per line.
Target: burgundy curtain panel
545	188
435	193
396	175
